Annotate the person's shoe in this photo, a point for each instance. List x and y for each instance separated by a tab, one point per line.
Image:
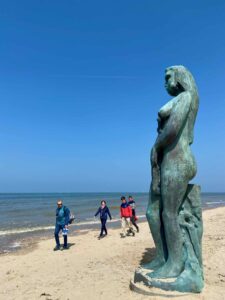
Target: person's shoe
65	247
56	248
128	232
132	231
99	237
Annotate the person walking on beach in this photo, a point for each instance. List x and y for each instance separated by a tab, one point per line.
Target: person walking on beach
62	221
133	219
103	211
126	214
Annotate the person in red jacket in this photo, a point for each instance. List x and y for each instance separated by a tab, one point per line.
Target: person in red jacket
126	214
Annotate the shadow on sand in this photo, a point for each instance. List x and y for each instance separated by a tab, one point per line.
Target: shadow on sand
148	256
69	245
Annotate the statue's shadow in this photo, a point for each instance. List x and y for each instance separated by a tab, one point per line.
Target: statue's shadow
148	255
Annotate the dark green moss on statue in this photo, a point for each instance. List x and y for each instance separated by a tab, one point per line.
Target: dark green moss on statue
174	209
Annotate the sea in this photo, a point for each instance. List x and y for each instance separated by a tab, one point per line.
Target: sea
26	218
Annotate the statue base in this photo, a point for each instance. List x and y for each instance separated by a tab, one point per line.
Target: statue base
145	285
141	289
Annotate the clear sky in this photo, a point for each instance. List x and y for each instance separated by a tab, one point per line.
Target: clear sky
81	83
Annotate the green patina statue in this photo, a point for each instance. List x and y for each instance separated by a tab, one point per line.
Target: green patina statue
174	211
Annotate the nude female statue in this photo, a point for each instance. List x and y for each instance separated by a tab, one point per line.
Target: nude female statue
173	166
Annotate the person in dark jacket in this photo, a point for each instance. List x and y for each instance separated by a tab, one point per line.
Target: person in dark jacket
133	219
126	214
103	211
62	221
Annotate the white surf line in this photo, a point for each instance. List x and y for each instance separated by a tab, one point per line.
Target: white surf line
25	230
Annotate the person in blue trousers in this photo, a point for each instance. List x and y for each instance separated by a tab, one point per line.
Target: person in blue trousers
103	211
62	221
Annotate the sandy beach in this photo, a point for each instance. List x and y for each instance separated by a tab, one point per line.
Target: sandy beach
93	269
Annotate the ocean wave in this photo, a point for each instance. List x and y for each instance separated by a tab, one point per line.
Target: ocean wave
97	221
15	245
41	228
216	202
25	230
93	222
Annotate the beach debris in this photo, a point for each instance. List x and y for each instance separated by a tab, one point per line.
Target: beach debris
45	294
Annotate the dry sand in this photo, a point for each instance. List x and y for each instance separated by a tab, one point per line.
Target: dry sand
93	269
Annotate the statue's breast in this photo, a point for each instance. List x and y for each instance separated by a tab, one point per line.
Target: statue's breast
166	110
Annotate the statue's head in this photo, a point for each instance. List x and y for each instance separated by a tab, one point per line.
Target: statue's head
178	79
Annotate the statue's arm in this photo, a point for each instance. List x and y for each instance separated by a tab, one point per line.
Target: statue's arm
175	122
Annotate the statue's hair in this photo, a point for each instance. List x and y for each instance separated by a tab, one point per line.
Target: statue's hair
184	78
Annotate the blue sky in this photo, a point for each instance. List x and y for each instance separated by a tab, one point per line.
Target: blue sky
81	83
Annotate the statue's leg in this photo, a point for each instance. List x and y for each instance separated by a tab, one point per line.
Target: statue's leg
154	220
172	193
